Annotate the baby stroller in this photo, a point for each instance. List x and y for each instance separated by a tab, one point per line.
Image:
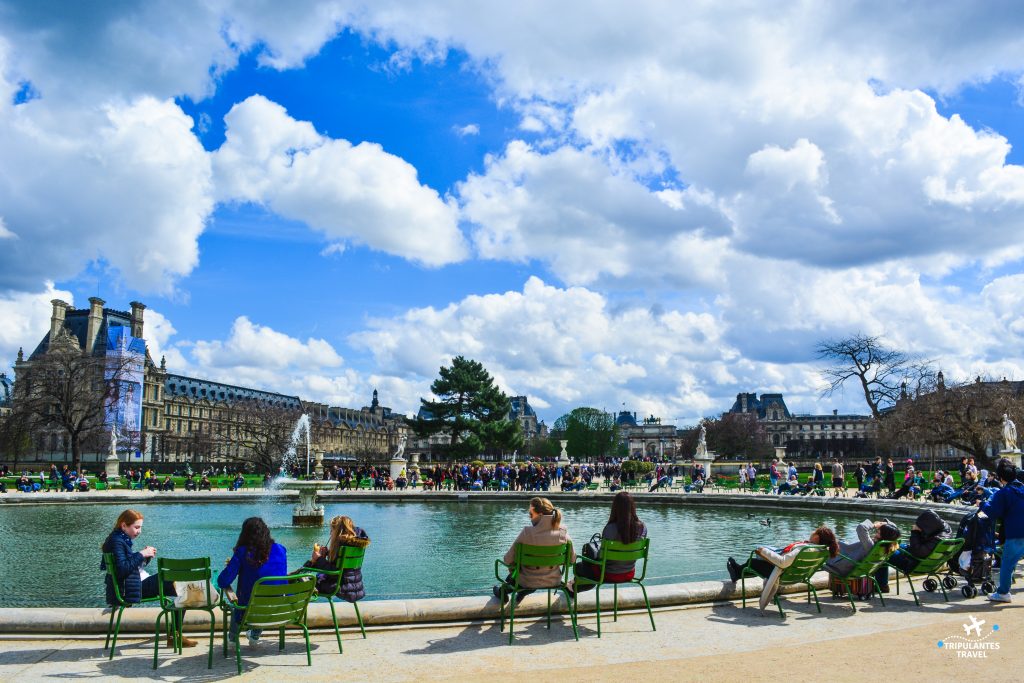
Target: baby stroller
974	564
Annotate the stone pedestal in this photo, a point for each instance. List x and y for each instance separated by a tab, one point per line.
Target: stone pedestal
397	467
563	457
1014	456
318	468
705	460
112	465
307	512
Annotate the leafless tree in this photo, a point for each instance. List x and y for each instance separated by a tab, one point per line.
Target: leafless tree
966	415
15	436
263	432
68	391
738	434
881	372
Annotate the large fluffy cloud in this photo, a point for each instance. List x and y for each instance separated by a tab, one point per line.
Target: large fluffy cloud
256	355
572	346
26	320
359	193
127	184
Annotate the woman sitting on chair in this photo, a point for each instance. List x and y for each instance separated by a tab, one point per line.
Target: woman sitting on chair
255	556
769	558
344	532
624	526
545	528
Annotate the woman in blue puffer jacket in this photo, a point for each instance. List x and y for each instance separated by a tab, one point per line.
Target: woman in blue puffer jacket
128	566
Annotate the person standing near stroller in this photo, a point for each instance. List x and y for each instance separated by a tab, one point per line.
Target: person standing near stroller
1007	504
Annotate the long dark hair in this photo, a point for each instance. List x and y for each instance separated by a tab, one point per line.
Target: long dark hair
624	517
827	538
255	537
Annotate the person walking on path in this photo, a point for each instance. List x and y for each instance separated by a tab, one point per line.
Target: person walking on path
838	478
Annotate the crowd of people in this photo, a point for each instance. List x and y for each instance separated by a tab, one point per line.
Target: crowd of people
256	555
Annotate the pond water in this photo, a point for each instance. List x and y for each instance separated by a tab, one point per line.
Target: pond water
50	554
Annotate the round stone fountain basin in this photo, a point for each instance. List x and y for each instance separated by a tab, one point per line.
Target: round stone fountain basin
307	512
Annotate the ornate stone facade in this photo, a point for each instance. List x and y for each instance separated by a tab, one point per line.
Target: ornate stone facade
812	435
188	419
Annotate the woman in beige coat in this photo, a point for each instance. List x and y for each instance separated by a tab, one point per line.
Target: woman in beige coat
545	528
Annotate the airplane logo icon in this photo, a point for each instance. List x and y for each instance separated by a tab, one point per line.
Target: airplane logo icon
975	626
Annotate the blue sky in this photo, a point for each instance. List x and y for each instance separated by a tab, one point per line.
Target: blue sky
606	206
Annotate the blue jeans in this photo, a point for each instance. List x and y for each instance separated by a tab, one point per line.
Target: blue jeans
1013	551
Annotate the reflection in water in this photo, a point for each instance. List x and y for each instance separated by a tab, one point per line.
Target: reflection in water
438	549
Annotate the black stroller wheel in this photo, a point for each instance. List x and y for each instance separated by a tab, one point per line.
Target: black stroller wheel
969	591
931	585
987	586
949	582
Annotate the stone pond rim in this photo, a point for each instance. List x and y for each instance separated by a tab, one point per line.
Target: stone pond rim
90	621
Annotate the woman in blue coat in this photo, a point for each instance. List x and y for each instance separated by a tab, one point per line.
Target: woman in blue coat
128	566
255	556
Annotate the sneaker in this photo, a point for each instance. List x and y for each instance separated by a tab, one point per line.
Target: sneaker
253	638
999	597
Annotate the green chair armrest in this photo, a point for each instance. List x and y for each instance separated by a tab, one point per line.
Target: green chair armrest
509	567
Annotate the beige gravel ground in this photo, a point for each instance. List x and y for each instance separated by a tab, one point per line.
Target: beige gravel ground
720	642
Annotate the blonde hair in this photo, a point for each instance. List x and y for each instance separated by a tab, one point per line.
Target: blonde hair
544	506
340	526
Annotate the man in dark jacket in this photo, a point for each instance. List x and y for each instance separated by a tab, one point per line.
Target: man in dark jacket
926	533
1007	504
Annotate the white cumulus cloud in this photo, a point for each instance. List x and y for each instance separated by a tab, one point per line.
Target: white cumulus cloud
357	193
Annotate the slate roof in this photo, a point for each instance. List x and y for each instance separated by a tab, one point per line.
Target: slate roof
204	389
76	321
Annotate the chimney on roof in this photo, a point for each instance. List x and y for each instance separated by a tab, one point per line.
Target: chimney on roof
743	403
95	322
835	411
57	319
137	309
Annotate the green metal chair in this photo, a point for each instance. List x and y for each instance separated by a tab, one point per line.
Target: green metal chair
194	570
809	559
114	629
276	602
534	556
617	552
929	567
365	484
349	557
866	568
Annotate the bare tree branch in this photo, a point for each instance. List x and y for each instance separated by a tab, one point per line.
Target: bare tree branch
880	371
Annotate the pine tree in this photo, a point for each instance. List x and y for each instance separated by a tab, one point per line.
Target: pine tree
473	411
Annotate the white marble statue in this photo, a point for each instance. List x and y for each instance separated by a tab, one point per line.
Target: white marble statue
1009	434
702	442
113	441
401	447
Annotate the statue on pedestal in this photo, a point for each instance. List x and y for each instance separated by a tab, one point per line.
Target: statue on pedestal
702	443
1009	434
